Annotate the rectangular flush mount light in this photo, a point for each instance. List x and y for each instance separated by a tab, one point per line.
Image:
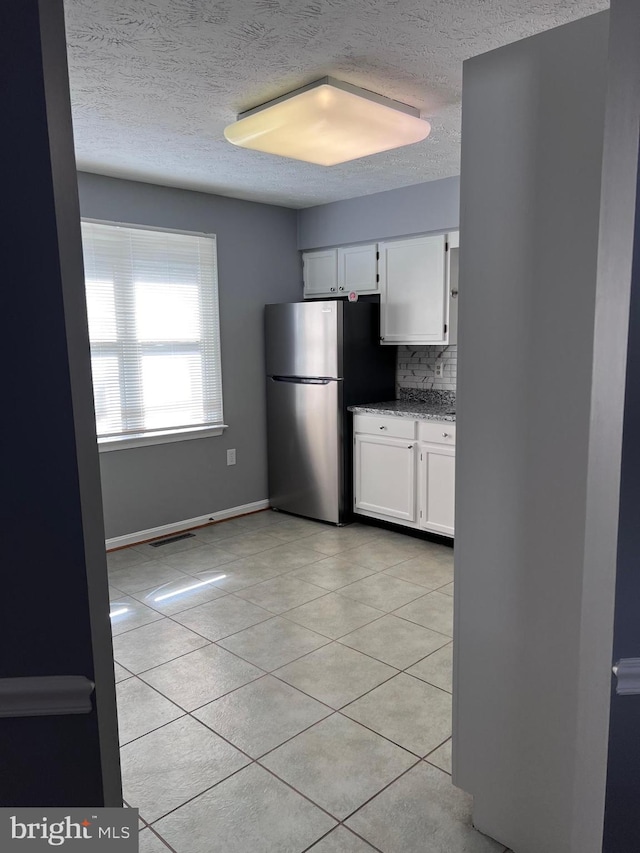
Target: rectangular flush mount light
328	122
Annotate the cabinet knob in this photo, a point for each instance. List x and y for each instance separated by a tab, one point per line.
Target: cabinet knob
409	446
445	435
341	288
382	427
332	289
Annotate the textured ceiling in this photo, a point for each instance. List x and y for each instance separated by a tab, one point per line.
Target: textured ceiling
154	82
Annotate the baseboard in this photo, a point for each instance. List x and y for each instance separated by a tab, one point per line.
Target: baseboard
187	524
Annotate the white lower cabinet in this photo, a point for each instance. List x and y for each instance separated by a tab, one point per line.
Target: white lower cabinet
401	480
436	472
385	481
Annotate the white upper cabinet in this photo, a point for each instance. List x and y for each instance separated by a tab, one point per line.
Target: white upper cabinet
336	272
320	273
417	279
358	269
452	279
414	298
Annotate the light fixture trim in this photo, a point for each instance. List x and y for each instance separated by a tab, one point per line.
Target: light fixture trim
399	106
328	122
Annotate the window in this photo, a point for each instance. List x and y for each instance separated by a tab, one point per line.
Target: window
152	303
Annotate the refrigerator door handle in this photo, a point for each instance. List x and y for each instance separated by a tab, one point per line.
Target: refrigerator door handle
304	380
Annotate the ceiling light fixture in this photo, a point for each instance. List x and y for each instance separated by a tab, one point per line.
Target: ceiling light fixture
328	122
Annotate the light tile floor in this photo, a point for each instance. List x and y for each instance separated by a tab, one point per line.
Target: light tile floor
284	686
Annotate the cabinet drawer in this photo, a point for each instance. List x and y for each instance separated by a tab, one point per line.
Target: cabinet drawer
440	432
391	426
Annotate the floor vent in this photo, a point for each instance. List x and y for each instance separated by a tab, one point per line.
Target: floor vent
172	539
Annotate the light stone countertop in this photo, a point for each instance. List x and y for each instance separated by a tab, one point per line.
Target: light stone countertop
415	410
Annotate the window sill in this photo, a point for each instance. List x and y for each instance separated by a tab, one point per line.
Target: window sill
106	445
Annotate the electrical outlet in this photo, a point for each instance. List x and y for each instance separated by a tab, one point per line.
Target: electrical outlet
231	457
439	371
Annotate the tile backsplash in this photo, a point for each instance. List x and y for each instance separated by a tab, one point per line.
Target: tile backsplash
416	367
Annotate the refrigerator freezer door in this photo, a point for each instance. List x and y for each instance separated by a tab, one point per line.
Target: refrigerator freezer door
303	339
304	424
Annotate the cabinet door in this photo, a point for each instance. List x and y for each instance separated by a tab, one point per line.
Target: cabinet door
437	488
358	269
452	287
320	272
385	476
413	291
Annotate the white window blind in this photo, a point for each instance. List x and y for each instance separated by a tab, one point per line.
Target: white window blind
152	303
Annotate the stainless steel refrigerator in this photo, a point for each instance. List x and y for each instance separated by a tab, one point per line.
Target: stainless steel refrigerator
321	358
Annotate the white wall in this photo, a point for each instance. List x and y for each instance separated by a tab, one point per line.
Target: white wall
532	131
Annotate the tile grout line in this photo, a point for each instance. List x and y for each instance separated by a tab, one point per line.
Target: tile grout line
279	543
435	686
271	615
191	713
348	829
252	761
341	821
236	559
286	542
384	737
257	761
385	570
259	758
337	710
161	838
271	672
331	711
388	785
440	745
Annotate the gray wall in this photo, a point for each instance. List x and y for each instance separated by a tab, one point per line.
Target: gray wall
532	131
418	209
257	263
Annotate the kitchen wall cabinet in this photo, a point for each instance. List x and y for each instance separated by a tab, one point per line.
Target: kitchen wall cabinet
414	303
453	253
403	480
417	279
320	273
358	268
334	272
